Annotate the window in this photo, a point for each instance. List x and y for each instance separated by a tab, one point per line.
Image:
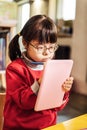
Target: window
69	8
23	15
66	9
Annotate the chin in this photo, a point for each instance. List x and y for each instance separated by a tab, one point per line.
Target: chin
44	60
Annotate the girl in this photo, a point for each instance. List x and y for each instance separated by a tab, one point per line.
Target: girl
23	76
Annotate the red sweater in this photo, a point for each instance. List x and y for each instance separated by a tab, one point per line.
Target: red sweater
19	111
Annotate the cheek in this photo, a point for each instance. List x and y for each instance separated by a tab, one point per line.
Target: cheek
30	53
34	55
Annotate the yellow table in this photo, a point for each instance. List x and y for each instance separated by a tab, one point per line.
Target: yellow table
77	123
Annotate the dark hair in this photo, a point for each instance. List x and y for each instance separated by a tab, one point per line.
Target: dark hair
38	27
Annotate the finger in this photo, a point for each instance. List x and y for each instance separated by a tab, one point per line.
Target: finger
70	78
66	89
69	81
67	85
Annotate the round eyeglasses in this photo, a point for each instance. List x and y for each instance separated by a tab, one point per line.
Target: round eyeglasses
42	48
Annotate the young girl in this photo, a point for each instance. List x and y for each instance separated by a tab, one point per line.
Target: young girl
23	76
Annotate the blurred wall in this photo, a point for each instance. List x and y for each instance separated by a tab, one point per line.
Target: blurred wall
79	47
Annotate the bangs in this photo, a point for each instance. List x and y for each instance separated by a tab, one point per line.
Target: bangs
46	32
47	36
41	29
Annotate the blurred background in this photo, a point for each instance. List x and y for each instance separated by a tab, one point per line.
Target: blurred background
70	17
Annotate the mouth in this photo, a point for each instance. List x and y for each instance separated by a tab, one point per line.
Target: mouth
45	59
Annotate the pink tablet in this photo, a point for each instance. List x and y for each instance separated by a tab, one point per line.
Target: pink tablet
51	94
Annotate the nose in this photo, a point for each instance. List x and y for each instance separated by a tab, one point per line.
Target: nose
46	51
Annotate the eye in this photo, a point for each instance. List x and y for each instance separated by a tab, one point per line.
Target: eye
40	47
51	47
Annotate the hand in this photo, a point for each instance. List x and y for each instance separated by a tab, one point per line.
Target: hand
40	79
67	85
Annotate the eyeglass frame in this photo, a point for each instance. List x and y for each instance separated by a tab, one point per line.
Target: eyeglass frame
45	48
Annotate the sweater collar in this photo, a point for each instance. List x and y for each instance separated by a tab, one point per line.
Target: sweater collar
32	64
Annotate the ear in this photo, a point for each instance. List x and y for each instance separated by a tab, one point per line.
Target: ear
24	43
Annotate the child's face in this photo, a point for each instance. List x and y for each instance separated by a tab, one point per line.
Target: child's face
41	52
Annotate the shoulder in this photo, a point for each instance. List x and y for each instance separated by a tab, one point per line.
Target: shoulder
17	65
18	61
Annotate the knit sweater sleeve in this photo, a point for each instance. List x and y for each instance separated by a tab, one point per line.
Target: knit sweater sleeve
19	90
